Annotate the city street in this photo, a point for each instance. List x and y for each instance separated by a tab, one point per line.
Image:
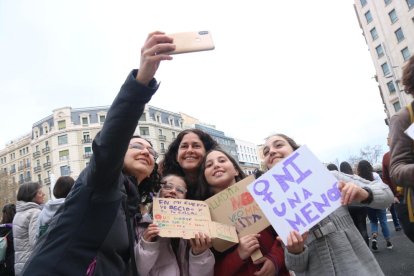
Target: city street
399	260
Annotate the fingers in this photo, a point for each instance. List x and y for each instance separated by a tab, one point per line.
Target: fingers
349	192
247	245
200	243
268	268
295	242
151	232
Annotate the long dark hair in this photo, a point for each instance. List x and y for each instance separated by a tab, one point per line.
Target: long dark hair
9	210
365	170
202	190
345	167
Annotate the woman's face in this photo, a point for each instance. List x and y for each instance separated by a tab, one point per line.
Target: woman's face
173	186
191	152
139	159
276	148
39	197
219	171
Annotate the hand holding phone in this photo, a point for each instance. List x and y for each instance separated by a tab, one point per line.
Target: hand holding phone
192	42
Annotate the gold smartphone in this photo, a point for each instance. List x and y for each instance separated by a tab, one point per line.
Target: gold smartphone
188	42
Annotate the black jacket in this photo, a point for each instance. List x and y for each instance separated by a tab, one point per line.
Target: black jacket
92	223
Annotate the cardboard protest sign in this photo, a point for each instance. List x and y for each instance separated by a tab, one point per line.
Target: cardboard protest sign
235	206
296	193
184	218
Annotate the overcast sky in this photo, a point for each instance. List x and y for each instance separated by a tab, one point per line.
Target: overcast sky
297	67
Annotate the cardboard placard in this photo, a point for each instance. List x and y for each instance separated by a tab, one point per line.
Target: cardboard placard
235	206
296	193
183	218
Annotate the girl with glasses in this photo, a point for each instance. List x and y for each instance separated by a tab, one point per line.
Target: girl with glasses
172	256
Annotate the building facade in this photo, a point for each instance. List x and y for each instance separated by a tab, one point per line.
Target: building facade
248	156
388	29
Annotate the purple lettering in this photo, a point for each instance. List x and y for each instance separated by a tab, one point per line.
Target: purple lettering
293	201
307	213
282	212
267	196
294	223
320	206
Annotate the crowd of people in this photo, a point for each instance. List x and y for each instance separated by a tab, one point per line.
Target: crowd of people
101	223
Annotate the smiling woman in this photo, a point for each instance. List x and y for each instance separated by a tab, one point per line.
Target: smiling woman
184	158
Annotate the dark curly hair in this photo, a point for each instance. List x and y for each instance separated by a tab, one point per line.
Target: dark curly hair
345	167
169	164
408	77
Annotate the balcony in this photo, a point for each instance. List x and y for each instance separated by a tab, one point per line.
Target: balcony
37	169
47	180
162	137
87	155
12	170
47	165
46	150
36	154
162	151
86	141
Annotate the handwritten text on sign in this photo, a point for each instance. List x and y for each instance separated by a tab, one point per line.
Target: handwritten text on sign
296	193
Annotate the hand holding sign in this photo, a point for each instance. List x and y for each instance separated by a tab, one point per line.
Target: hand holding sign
351	192
296	193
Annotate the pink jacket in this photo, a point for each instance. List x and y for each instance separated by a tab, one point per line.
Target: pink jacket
158	258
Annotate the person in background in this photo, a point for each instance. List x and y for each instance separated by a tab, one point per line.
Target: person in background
358	213
172	256
220	171
402	155
6	228
184	157
61	189
332	167
30	197
333	246
93	232
365	171
385	176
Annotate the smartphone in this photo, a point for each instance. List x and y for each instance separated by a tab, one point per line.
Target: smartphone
192	42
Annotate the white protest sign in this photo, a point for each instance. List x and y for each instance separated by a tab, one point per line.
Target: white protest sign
410	131
296	193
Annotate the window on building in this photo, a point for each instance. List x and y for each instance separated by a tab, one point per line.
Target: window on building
39	178
61	124
46	129
158	118
162	146
36	133
393	16
410	3
85	121
399	34
173	134
391	87
363	3
144	131
368	17
63	155
397	106
47	158
385	69
65	170
62	139
143	117
387	2
159	131
102	119
379	50
171	121
88	151
405	53
374	34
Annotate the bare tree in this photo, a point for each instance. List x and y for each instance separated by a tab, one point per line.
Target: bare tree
372	154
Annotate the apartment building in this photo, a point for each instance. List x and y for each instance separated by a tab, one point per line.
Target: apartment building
61	144
248	156
388	29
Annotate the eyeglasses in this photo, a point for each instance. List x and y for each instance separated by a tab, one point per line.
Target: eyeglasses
169	186
141	147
